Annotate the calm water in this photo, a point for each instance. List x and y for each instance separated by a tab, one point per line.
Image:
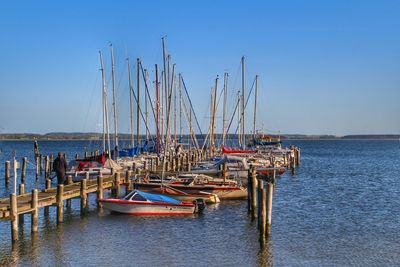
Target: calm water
342	208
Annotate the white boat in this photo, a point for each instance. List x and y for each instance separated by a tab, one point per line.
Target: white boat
142	203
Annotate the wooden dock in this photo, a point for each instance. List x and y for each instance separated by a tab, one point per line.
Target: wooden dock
30	203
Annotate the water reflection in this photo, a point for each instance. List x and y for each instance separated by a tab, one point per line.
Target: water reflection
265	256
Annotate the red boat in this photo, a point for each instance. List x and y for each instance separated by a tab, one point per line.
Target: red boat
237	151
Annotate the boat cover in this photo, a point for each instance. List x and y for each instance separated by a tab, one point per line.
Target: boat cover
236	151
158	198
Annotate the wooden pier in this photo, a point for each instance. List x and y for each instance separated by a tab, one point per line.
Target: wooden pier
12	208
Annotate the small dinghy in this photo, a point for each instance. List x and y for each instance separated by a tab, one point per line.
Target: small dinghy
143	203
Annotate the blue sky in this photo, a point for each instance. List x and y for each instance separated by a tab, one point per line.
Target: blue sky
326	67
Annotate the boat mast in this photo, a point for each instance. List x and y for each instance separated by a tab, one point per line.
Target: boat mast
224	108
180	107
214	110
239	120
138	103
131	102
243	99
106	128
146	108
174	86
114	98
162	106
157	112
255	108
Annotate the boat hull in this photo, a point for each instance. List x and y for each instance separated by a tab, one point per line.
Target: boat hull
149	208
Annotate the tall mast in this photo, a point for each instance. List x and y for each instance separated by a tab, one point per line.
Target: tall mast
180	107
131	103
106	127
242	109
213	114
255	108
138	103
239	120
146	108
157	112
211	117
164	89
162	105
169	89
174	86
114	98
224	108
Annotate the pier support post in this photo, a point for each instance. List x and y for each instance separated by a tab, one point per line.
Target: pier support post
225	171
270	192
41	163
69	181
46	167
263	209
14	217
128	182
99	189
48	184
37	167
51	163
83	195
35	211
116	184
7	172
253	193
23	171
249	189
60	206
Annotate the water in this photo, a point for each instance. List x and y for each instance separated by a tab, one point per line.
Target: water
342	208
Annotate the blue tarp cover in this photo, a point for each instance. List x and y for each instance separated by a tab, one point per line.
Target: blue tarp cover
158	198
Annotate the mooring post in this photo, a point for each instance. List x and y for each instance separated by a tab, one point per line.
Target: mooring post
23	171
269	206
60	206
69	181
260	186
37	167
7	172
83	195
263	209
99	189
76	156
293	165
48	184
128	182
298	156
35	211
116	184
51	163
253	193
46	167
249	188
14	217
41	163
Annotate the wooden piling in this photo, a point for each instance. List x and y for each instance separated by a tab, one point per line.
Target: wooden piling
83	195
270	192
48	184
23	171
225	171
35	211
76	156
21	189
69	181
99	189
37	167
116	184
253	193
46	167
14	217
41	163
51	163
60	206
7	172
263	209
249	189
128	182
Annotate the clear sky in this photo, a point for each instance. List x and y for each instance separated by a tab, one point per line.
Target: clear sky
326	67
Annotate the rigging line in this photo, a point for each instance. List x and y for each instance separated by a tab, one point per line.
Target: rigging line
191	106
147	91
245	106
191	131
143	118
233	116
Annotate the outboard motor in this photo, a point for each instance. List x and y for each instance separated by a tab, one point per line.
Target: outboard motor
199	205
